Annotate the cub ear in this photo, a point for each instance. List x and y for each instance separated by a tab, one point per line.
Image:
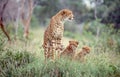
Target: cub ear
77	42
86	48
83	48
63	12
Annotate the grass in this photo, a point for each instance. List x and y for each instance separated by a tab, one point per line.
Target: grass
24	58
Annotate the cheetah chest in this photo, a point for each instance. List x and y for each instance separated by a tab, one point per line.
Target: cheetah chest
58	32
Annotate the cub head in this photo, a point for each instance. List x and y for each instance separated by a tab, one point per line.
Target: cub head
66	14
86	50
73	44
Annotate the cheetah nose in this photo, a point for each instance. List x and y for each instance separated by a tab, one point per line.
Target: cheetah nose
73	17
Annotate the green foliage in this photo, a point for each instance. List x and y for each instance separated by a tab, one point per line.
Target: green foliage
2	40
93	27
118	44
34	22
11	60
108	11
103	61
71	26
95	67
44	12
104	39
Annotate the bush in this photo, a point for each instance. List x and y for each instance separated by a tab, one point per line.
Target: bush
11	60
101	62
2	40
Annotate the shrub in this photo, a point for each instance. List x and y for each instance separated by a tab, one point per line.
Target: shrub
11	60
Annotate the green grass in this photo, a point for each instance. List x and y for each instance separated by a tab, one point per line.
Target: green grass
25	58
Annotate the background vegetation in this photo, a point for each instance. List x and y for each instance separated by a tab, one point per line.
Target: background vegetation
96	25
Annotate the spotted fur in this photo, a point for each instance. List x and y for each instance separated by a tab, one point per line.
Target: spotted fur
70	49
54	33
82	53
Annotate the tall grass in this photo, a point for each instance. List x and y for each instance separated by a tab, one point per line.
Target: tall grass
103	61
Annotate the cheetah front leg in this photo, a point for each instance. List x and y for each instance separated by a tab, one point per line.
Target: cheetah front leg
60	47
52	49
46	52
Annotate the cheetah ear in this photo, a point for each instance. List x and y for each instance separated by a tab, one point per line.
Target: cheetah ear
63	12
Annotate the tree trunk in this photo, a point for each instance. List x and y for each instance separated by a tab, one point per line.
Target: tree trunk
26	21
2	7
